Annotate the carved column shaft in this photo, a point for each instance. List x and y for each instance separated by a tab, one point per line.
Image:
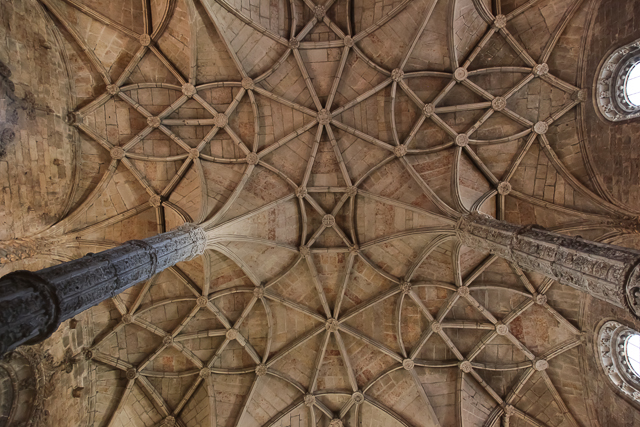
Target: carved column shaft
607	272
33	304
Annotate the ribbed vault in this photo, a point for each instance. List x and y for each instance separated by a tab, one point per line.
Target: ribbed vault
331	148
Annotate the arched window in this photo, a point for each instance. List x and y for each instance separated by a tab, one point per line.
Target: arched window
618	84
619	348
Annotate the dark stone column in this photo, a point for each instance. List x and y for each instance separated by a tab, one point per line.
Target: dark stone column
33	304
607	272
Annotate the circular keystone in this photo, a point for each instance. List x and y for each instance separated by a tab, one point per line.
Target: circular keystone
113	89
465	366
352	191
323	117
154	122
294	43
301	192
261	370
540	365
252	159
540	299
247	83
194	153
460	74
155	201
463	291
500	21
504	188
354	249
357	397
145	40
258	292
348	41
88	354
328	221
127	319
499	103
319	12
408	364
336	423
502	329
205	373
397	75
304	251
331	325
400	151
202	301
232	334
169	422
220	120
541	128
510	410
188	89
541	70
581	95
428	110
117	153
462	140
309	399
436	327
405	287
168	340
132	373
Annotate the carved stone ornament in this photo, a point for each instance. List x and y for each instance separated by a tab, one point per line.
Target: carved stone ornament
261	370
127	319
252	159
357	397
205	373
154	121
540	365
304	251
352	191
397	75
145	40
610	82
540	299
33	304
499	103
132	374
328	220
247	83
155	201
117	153
294	43
400	151
348	41
607	272
220	120
301	192
167	340
611	340
436	327
405	287
504	188
169	422
194	153
540	70
502	329
258	292
188	89
428	110
319	12
331	325
460	74
232	334
500	21
408	364
541	128
462	140
202	301
113	89
465	366
336	422
323	117
309	400
463	291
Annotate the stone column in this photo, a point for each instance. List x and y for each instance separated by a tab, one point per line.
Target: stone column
33	304
607	272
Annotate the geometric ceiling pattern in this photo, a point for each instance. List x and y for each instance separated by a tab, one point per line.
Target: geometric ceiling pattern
329	150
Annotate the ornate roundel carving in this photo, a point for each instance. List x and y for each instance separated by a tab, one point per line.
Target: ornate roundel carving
328	220
465	366
301	192
232	334
220	120
261	370
319	12
247	83
131	373
167	340
358	397
145	40
540	299
188	89
202	301
400	151
540	70
113	89
252	159
612	339
331	325
405	287
408	364
294	43
460	74
436	327
397	75
205	373
498	103
541	128
502	329
504	188
540	365
428	110
348	41
154	122
169	422
323	117
258	292
117	153
500	21
336	422
462	140
304	251
127	318
463	291
309	399
155	201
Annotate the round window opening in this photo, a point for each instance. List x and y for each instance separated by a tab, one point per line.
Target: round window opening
632	85
632	353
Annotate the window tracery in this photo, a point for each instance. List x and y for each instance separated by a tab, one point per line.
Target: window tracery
619	351
618	84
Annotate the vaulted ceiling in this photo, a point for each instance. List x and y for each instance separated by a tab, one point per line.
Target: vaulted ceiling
330	148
